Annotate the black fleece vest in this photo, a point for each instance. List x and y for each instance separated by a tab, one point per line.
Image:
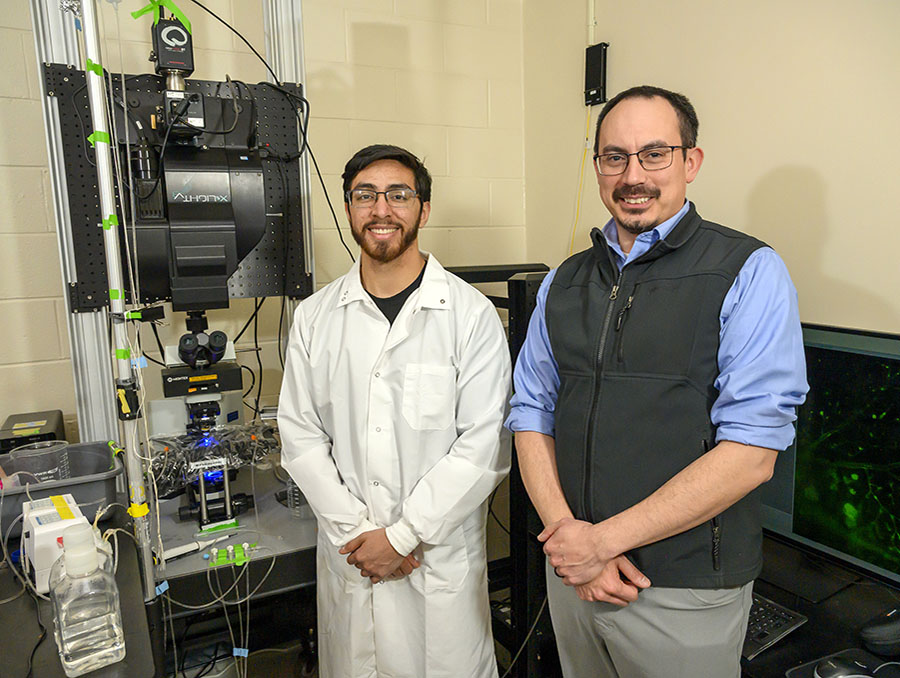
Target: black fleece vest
637	355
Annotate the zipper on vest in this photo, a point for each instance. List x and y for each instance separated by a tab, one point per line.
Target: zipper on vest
620	322
716	543
585	498
716	531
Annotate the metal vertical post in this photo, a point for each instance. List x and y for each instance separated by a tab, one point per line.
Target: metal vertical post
125	382
55	42
527	582
284	52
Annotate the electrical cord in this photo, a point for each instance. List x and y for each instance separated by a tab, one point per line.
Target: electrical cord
578	196
243	39
259	383
259	303
494	515
252	382
37	609
303	127
178	112
527	638
234	103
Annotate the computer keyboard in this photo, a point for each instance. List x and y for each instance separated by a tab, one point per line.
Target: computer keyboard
769	623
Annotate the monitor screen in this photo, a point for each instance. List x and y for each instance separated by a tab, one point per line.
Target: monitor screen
837	489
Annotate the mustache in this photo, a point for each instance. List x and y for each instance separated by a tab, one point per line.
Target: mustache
639	191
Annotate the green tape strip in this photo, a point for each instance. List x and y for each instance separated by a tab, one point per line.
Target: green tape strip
154	7
94	68
116	294
110	221
98	136
123	353
133	315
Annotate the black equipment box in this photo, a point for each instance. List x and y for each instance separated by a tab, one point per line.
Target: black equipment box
31	427
182	381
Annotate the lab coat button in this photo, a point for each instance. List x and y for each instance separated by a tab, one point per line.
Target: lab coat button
375	483
377	429
377	374
442	301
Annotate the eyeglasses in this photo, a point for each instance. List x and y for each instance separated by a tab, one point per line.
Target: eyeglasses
395	197
652	159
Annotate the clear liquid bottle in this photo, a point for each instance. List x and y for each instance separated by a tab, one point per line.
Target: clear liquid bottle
86	615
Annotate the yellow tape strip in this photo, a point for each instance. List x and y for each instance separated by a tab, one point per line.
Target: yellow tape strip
62	508
138	510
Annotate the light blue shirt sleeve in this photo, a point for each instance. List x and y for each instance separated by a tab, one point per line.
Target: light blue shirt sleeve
536	376
762	368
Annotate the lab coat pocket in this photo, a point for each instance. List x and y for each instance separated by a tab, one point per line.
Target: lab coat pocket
429	396
446	565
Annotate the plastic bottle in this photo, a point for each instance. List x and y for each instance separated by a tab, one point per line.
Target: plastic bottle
86	615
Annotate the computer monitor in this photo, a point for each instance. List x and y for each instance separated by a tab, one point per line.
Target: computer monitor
837	489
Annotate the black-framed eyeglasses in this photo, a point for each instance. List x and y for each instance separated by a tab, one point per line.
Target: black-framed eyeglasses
651	159
395	197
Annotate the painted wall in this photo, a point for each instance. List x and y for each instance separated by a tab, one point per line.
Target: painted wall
797	104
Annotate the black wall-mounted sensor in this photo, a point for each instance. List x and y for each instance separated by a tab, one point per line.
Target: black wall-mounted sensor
595	74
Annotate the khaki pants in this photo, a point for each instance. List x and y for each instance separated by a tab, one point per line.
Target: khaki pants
666	633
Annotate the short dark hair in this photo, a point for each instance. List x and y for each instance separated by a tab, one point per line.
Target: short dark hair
687	116
366	156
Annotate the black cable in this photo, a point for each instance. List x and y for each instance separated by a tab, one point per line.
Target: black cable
179	111
303	122
306	147
305	144
234	104
251	136
223	22
330	206
250	407
527	638
152	359
259	383
252	383
250	319
281	356
37	609
286	219
211	663
494	515
162	351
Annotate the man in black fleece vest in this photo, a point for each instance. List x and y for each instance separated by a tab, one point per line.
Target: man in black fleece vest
658	382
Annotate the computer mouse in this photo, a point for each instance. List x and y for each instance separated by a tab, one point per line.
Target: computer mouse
841	667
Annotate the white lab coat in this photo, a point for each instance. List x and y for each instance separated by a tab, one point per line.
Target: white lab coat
399	427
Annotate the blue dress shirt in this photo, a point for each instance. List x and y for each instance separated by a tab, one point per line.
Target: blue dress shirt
762	368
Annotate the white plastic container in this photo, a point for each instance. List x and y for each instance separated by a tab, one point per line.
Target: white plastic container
86	614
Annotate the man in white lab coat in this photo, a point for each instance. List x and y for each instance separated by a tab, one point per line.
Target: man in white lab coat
391	416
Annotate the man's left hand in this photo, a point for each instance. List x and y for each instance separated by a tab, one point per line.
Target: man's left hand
373	555
574	551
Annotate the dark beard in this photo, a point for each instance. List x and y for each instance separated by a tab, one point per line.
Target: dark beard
385	252
637	225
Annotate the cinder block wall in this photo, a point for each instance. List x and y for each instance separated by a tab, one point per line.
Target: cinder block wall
441	77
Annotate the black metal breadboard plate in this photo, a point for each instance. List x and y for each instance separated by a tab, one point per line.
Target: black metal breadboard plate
275	267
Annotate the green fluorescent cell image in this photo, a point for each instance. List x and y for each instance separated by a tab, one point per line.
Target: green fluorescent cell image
848	457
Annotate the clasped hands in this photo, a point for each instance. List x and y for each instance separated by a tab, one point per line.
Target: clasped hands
575	551
372	554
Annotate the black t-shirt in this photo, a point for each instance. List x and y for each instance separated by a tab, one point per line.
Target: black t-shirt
391	306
